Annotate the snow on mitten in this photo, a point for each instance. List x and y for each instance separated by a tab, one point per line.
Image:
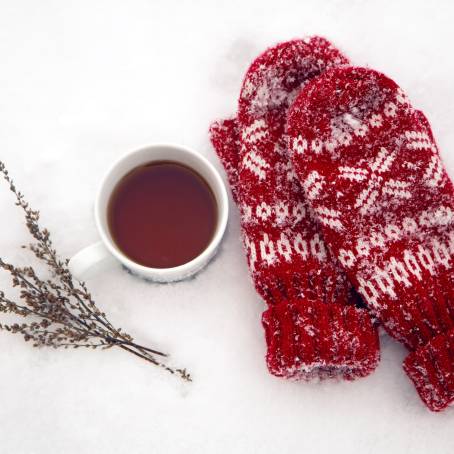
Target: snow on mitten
372	174
312	327
225	138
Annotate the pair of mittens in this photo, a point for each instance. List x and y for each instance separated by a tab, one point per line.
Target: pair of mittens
339	183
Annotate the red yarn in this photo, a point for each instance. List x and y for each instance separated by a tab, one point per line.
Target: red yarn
372	174
312	327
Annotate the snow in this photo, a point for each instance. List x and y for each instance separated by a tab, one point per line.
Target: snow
83	82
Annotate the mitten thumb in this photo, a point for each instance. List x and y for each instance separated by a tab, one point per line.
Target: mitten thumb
224	136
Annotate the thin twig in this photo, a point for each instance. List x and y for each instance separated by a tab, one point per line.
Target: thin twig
61	312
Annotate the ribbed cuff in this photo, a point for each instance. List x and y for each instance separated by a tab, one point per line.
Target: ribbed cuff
308	340
420	312
431	368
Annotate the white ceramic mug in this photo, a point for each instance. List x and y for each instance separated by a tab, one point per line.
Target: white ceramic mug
93	258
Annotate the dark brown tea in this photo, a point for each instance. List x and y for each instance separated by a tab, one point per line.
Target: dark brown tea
162	214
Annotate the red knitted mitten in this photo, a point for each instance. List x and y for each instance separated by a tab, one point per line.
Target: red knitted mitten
312	327
372	174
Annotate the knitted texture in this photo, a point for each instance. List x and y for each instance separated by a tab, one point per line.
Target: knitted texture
312	327
372	174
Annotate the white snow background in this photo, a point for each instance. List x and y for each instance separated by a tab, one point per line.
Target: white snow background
81	83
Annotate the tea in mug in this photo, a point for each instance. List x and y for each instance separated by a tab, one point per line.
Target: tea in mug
162	214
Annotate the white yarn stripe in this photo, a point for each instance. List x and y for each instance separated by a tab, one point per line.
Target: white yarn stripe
421	145
329	217
369	202
418	140
313	185
434	172
363	196
256	164
397	193
397	184
335	224
255	132
278	214
383	161
397	188
351	173
417	135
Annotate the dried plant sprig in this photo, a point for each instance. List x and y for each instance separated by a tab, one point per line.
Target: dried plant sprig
60	312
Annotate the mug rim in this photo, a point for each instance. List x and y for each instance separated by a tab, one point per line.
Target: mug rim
223	212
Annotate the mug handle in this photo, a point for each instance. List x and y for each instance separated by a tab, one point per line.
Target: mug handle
90	260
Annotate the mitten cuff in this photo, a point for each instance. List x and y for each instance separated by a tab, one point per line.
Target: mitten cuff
308	340
431	368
